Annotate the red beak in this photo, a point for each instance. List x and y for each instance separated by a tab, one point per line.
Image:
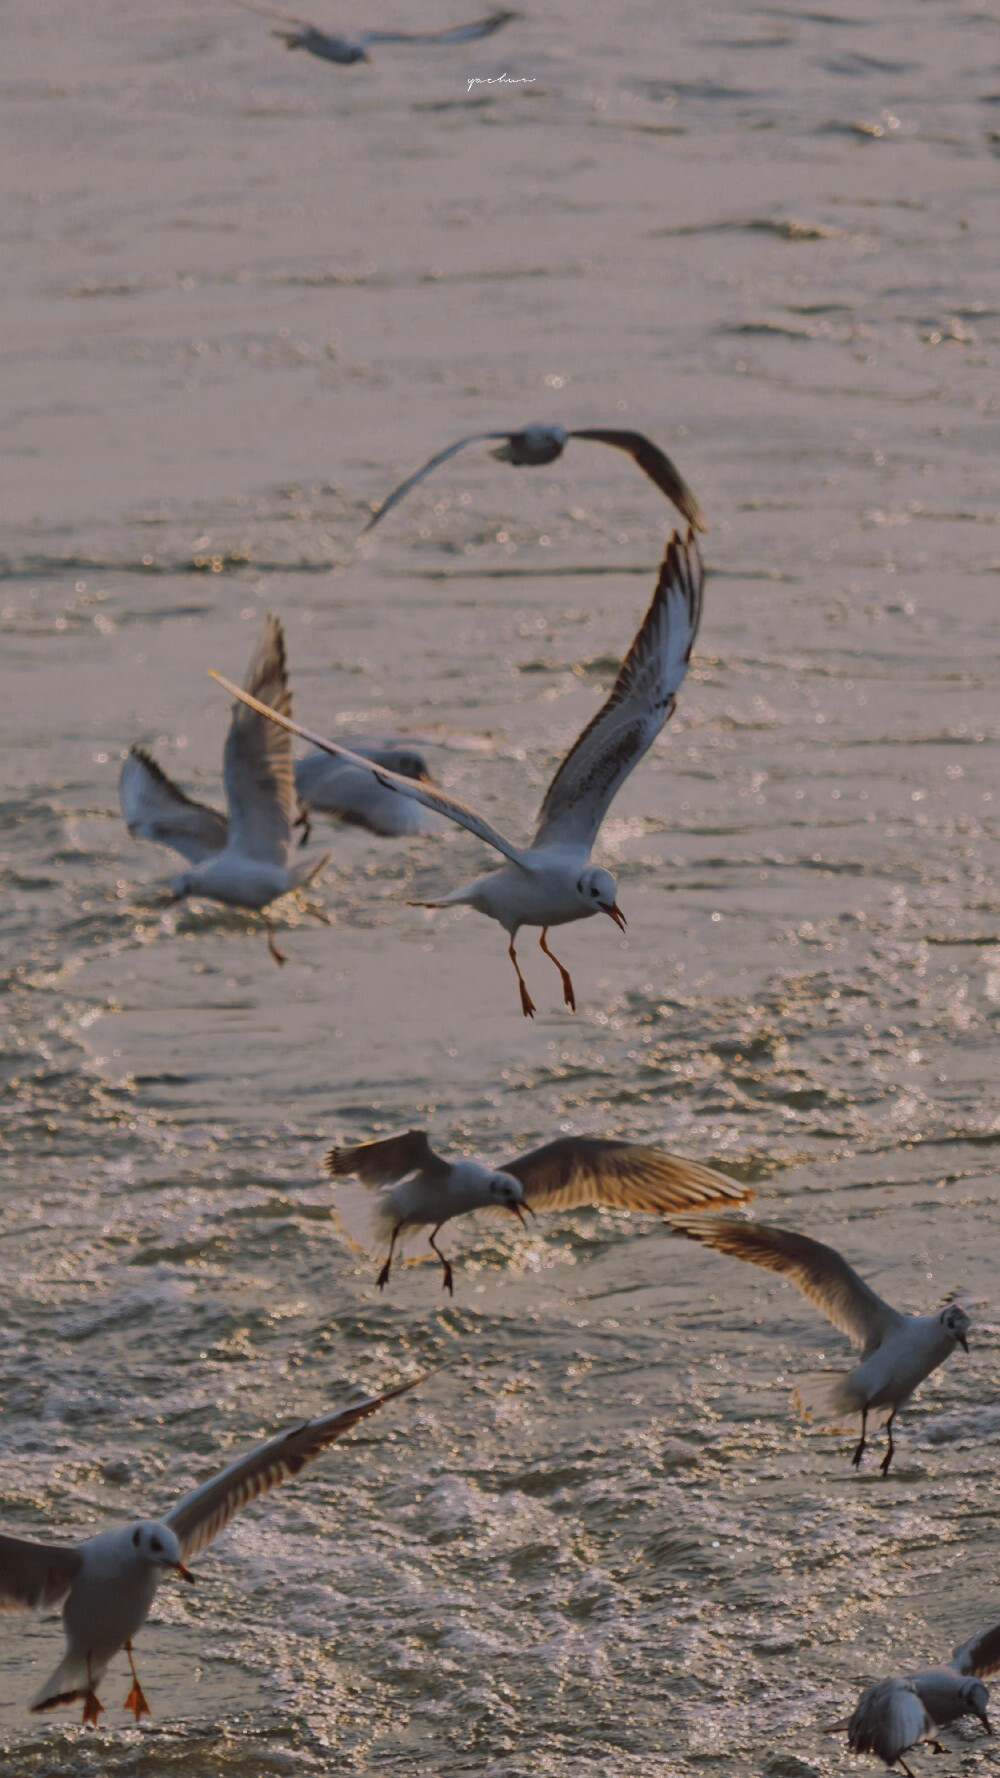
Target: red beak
185	1573
614	913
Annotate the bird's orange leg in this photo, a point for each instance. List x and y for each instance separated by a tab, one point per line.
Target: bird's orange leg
527	1004
136	1700
92	1706
568	994
279	956
448	1283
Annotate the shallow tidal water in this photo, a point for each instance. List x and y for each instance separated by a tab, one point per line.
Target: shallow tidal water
244	293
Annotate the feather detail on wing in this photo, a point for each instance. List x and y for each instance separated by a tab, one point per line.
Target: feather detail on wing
155	808
653	462
388	1160
624	1175
980	1655
431	798
821	1273
199	1517
257	763
35	1574
641	702
456	34
890	1717
411	481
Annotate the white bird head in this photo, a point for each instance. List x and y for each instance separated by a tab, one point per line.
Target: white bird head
508	1192
975	1698
956	1322
157	1546
597	890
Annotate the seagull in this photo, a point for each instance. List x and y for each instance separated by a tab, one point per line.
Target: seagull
244	860
536	445
894	1714
108	1583
352	795
552	882
347	50
404	1186
897	1351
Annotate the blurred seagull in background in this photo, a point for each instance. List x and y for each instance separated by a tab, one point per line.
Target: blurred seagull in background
347	50
351	794
895	1714
245	860
897	1351
405	1186
109	1582
552	882
537	445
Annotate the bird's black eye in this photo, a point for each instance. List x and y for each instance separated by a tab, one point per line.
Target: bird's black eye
135	1537
594	893
155	1544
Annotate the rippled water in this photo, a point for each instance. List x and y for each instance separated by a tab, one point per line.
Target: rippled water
244	291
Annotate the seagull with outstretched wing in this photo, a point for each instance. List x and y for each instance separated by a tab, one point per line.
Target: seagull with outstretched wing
536	445
897	1351
108	1583
895	1714
349	50
551	882
403	1186
244	859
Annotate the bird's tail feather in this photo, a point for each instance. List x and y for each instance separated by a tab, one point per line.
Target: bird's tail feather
367	1219
826	1396
65	1685
454	898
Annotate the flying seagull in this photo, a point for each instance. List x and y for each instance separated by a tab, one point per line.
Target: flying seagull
552	882
897	1351
894	1714
108	1582
245	860
347	50
404	1186
536	445
351	794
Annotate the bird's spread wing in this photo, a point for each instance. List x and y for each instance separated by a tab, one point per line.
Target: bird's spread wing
35	1574
155	808
198	1518
656	464
382	1163
890	1717
980	1655
457	33
431	798
418	474
641	702
821	1273
590	1170
257	764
